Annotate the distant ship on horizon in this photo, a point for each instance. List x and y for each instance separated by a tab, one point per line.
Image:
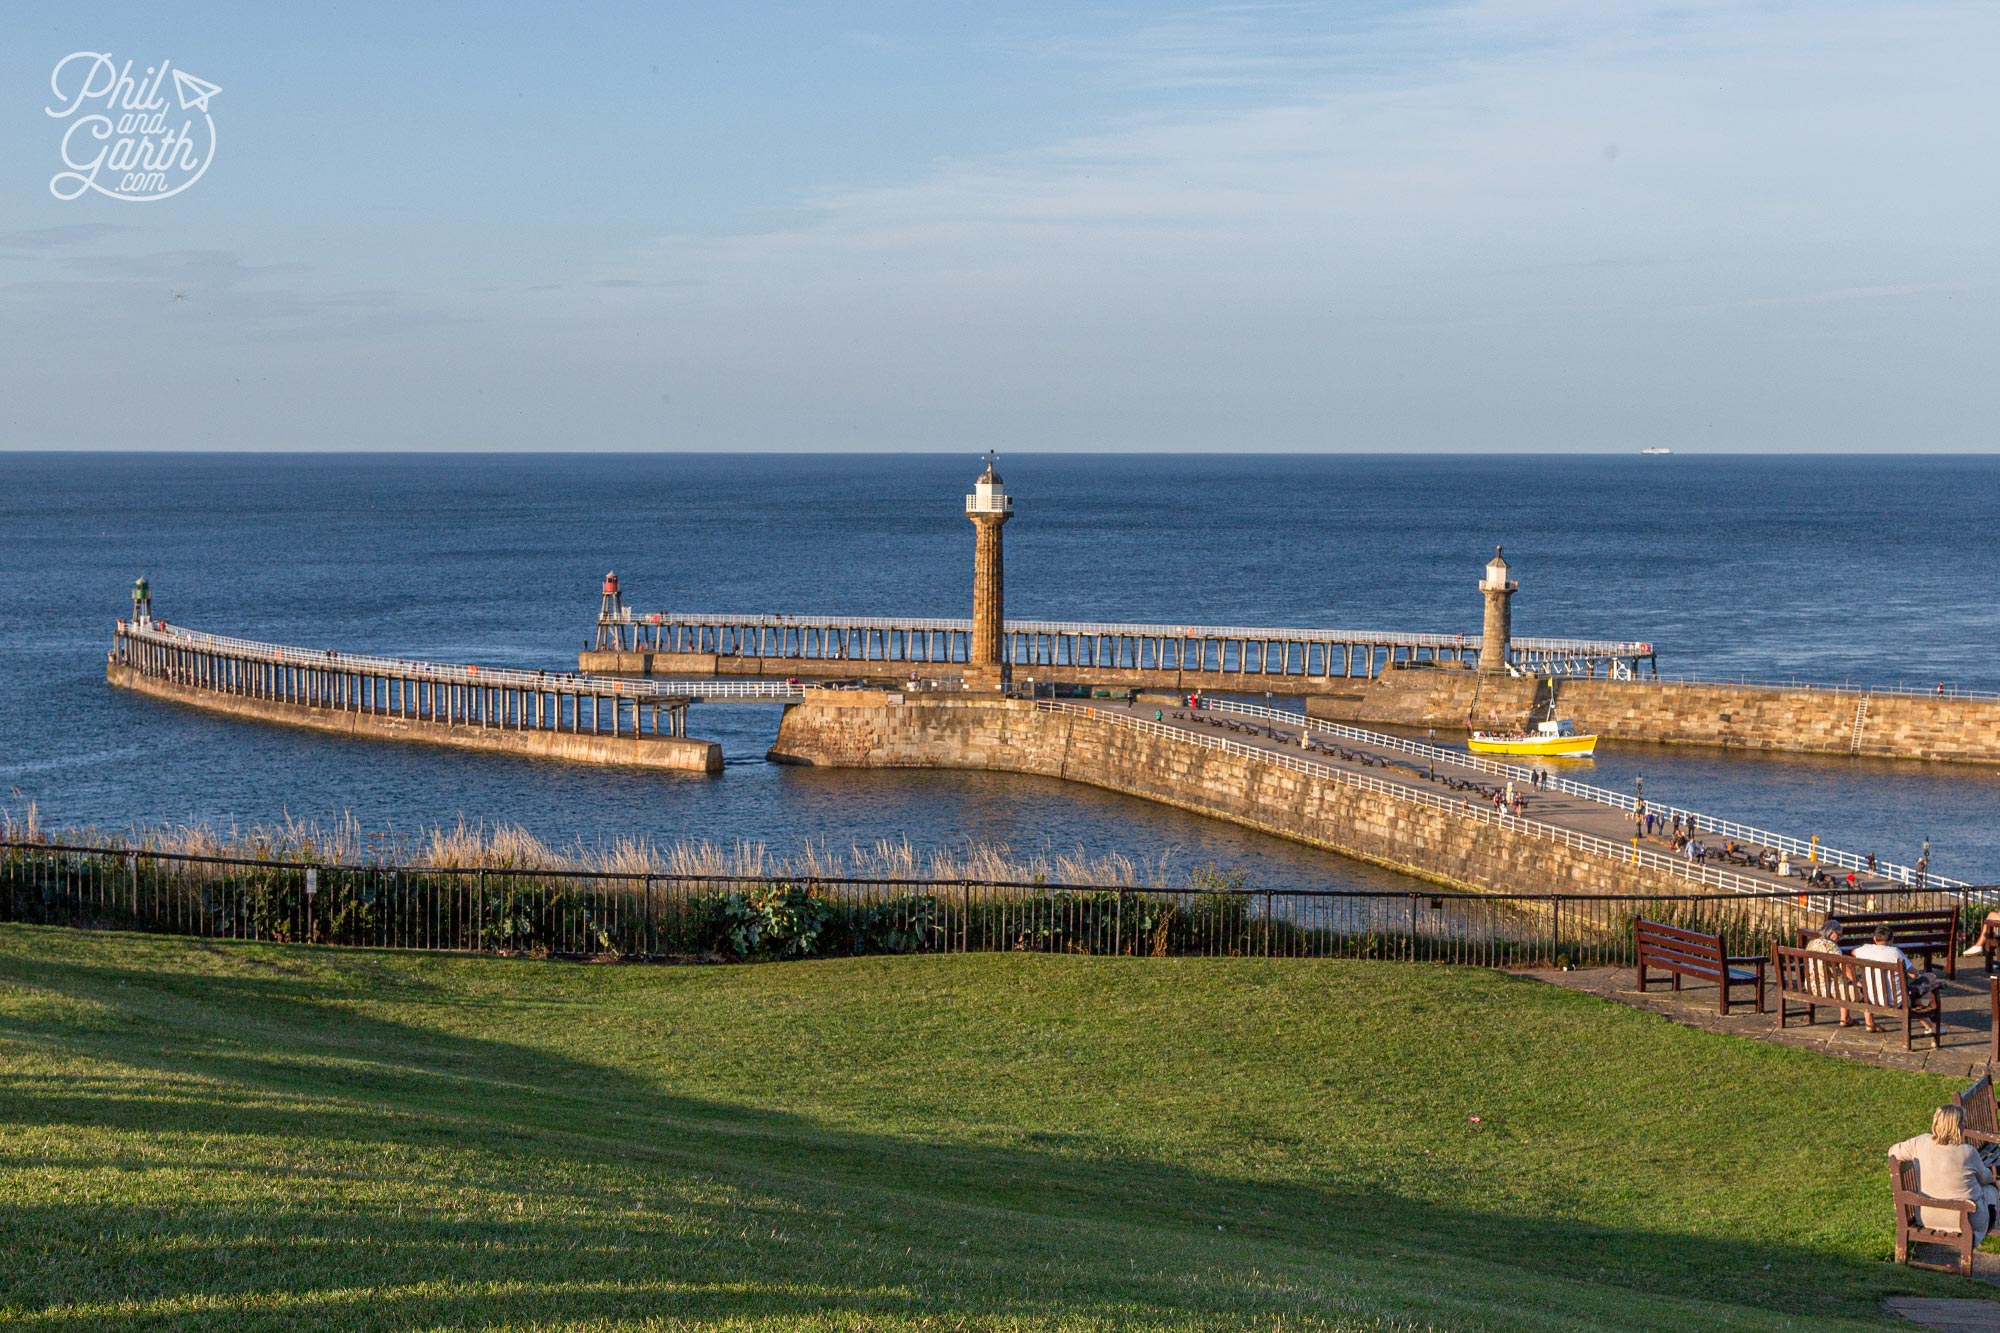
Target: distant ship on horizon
1656	450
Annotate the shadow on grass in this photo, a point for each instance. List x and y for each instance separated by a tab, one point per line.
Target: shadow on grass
578	1192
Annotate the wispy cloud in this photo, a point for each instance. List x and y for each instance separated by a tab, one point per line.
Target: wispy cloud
1393	201
1840	294
55	238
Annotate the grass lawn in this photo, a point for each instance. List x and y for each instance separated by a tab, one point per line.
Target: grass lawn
198	1136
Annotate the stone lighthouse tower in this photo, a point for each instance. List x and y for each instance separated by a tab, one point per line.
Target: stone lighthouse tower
989	507
1499	591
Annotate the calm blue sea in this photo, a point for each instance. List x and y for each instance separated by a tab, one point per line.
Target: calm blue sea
1872	569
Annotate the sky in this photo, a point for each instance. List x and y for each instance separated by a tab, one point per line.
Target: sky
1488	225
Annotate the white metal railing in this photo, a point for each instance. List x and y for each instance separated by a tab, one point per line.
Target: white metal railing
1587	647
565	682
1824	687
1678	866
1796	848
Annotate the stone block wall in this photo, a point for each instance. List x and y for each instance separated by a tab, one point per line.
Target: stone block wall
1693	713
1451	844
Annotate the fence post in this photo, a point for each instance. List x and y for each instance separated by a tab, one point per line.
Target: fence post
1267	923
1556	932
479	912
652	934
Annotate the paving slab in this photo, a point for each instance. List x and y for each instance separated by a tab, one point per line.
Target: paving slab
1964	1052
1946	1315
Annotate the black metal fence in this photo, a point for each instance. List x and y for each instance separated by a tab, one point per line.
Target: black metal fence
584	914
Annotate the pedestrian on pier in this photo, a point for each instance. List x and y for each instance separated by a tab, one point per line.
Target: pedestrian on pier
1649	823
1923	870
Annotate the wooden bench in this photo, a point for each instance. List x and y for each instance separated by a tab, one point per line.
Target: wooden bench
1982	1125
1910	1229
1927	933
1663	948
1839	981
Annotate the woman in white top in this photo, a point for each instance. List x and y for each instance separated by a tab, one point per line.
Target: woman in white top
1950	1168
1886	988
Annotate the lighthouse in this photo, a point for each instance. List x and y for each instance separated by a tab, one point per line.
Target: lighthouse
989	507
1499	592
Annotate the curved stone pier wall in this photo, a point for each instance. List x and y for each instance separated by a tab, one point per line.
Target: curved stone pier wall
874	729
681	754
1748	717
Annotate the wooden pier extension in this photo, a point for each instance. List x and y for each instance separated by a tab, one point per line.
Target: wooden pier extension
546	714
1174	657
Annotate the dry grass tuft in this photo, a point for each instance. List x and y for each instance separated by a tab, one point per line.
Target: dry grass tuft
511	847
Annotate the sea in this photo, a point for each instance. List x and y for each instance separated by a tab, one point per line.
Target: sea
1870	569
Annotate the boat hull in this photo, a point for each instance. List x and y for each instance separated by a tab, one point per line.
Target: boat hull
1546	747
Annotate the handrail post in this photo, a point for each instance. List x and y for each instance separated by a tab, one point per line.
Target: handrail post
652	921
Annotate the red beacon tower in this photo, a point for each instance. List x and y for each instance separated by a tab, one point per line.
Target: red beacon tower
611	617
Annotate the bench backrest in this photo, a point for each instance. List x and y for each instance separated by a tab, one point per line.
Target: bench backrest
1903	1187
1673	944
1978	1103
1911	930
1839	978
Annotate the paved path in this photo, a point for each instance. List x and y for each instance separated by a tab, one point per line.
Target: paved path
1384	763
1968	1026
1954	1316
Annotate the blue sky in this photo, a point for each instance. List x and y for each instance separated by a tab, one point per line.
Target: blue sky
1502	224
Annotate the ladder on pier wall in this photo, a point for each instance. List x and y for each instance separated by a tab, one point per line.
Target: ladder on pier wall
1860	724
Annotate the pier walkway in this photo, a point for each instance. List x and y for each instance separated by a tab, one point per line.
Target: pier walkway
1187	657
1564	807
566	715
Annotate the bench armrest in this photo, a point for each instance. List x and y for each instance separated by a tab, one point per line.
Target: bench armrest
1757	960
1950	1205
1981	1136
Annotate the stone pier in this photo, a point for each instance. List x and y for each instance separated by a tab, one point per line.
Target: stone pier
1745	717
538	714
1407	829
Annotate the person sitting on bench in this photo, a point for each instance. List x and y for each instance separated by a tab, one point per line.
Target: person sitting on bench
1880	987
1828	941
1950	1168
1988	942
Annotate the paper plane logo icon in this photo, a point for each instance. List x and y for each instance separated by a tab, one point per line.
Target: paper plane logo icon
194	93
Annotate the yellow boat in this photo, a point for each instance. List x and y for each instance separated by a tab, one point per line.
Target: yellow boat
1556	740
